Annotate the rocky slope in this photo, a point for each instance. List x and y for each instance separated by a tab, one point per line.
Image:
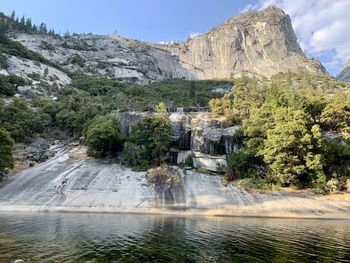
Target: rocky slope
344	75
253	44
65	183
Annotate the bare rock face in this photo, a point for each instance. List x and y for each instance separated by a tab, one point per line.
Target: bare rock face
251	44
112	57
344	75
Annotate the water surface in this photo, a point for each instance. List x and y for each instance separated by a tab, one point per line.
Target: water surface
55	237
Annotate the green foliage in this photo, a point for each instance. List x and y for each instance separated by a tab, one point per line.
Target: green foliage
288	148
243	163
175	93
285	121
151	135
6	159
22	121
14	24
78	60
15	48
336	158
336	113
133	155
189	161
103	136
8	84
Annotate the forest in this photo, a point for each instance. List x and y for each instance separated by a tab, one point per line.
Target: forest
295	131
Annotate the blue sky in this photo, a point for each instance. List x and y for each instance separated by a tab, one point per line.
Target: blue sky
320	25
148	20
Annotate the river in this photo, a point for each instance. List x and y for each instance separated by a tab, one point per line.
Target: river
74	237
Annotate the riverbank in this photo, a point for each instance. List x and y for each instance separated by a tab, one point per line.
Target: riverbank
71	183
251	212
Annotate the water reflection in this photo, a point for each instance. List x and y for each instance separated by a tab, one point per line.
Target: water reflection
153	238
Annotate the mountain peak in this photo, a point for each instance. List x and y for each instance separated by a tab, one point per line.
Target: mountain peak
253	44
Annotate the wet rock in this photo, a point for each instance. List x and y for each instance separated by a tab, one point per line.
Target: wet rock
168	186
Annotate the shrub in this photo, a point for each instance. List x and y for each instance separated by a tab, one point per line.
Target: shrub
189	161
103	136
333	186
133	156
242	163
6	159
152	136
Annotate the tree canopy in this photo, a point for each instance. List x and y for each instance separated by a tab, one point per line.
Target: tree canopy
6	159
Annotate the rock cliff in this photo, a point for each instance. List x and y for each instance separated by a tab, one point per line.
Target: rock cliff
344	75
207	139
251	44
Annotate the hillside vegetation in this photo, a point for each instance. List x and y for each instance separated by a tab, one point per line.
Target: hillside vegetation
295	131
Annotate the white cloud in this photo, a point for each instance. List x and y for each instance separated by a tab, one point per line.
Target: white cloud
195	34
322	27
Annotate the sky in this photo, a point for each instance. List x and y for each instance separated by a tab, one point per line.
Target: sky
321	26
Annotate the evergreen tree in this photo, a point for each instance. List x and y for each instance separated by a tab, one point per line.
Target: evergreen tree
13	16
22	25
42	28
152	136
103	136
29	26
289	149
6	159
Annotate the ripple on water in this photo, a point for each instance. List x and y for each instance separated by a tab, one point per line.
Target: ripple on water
138	238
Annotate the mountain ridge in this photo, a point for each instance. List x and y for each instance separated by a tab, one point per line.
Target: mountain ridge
253	44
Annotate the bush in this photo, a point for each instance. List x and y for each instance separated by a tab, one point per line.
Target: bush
189	161
6	159
333	186
77	60
6	88
132	155
103	136
21	120
242	163
152	136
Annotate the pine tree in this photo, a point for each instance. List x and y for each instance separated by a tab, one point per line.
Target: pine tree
22	25
42	29
289	149
13	15
6	159
29	26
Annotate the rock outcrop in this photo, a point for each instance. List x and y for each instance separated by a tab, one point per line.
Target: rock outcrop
251	44
344	75
207	139
63	184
